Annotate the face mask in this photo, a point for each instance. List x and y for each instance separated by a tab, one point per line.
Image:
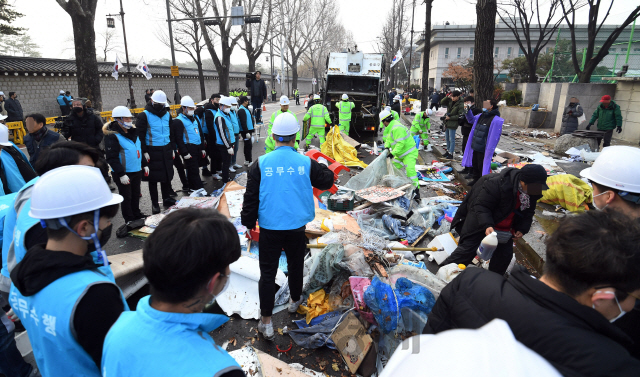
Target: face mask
78	110
190	112
572	104
158	106
594	202
484	110
97	242
126	125
622	312
226	110
224	289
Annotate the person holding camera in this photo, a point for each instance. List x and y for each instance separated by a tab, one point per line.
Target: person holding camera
257	92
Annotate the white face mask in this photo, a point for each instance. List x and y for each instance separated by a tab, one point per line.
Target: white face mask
190	112
594	202
126	125
226	285
226	109
234	107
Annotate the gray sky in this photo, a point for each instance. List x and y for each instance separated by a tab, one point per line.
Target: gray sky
50	26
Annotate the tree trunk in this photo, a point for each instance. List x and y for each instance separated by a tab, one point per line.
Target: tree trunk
252	62
294	72
483	80
585	76
223	74
84	38
532	62
425	56
203	92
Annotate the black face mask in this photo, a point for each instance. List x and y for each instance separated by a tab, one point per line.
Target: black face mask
158	107
78	110
572	104
104	238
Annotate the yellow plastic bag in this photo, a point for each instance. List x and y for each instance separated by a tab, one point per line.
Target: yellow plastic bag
568	191
317	304
336	148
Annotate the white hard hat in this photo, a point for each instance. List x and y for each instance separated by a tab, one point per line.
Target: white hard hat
70	190
187	101
3	117
284	100
1	93
159	97
121	111
385	114
345	97
285	124
234	101
61	92
397	98
315	96
4	134
617	168
429	112
226	101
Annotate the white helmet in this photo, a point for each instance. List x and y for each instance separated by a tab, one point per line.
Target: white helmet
345	97
226	101
385	114
284	100
234	101
70	190
187	101
4	134
159	97
121	112
617	168
429	112
397	98
315	96
285	124
62	92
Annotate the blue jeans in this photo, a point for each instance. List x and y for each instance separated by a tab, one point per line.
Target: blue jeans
11	361
450	136
235	149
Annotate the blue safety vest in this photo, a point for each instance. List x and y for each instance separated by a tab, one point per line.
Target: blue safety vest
190	135
152	343
229	132
130	154
6	206
61	101
286	194
235	122
69	98
48	317
249	118
200	120
158	132
15	181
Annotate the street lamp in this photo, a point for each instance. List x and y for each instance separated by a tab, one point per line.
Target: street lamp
111	24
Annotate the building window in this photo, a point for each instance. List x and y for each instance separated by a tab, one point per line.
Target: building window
508	52
446	53
520	52
471	53
496	52
459	55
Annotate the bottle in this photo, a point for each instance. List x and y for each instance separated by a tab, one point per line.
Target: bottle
488	246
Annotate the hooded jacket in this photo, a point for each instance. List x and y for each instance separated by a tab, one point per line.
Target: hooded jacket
608	117
113	149
84	129
570	118
493	137
96	311
574	338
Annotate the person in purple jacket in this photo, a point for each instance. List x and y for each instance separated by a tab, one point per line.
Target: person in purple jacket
483	139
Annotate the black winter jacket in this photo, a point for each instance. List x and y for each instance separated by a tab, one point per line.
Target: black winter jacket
112	146
260	93
160	157
14	110
25	168
184	149
45	138
490	201
321	178
86	129
208	122
574	338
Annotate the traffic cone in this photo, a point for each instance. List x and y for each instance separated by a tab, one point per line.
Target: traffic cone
264	108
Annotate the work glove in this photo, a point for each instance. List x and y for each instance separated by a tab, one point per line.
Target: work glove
188	156
12	315
323	161
146	171
589	126
125	180
173	155
252	139
618	129
230	151
146	156
204	154
419	131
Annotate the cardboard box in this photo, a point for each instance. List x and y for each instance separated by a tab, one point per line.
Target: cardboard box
443	241
352	341
506	158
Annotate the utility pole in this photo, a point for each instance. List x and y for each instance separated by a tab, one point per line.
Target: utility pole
413	12
282	81
173	52
132	100
273	78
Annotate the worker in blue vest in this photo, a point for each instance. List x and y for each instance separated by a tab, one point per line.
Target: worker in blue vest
199	117
21	231
189	141
64	103
246	129
224	136
156	140
65	302
279	196
15	169
233	114
69	98
168	335
124	155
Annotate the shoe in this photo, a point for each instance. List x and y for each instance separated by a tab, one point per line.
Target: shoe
206	172
155	208
219	172
231	169
237	166
266	330
216	176
122	231
247	163
293	306
168	202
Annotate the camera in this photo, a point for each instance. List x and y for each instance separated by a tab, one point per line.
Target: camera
250	76
443	118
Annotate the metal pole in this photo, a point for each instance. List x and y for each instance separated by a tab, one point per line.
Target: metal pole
553	58
633	27
615	64
273	78
132	104
282	80
413	12
173	52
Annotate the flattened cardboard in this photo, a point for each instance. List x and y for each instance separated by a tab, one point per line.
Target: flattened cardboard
506	157
352	341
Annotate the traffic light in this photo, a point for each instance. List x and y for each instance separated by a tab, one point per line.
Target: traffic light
212	22
252	20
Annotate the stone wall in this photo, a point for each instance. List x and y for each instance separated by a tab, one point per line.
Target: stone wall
589	96
37	94
628	97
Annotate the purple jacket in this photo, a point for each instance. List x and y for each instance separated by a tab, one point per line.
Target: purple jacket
495	130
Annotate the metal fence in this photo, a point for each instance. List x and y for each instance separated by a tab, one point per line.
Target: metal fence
611	65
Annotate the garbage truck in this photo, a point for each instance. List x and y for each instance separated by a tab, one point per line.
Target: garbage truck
361	77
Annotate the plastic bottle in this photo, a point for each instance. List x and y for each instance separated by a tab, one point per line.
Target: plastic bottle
488	246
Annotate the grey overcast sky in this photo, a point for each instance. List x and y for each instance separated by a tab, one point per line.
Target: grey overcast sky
50	26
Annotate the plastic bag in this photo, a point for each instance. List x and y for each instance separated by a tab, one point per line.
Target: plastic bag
408	232
371	175
336	148
373	224
425	215
323	266
419	276
340	295
394	180
357	265
316	333
382	300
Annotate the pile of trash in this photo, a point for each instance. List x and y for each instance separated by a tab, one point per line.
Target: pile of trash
533	133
